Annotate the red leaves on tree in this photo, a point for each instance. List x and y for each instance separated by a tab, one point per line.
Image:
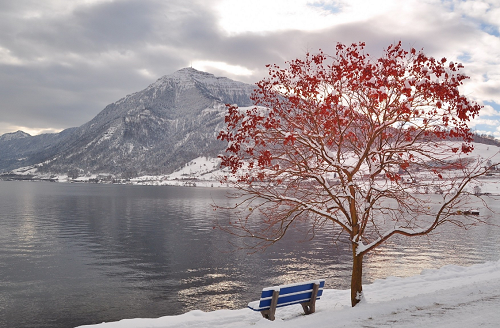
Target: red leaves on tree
349	102
265	158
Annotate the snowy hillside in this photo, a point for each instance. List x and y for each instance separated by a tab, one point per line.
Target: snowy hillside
200	172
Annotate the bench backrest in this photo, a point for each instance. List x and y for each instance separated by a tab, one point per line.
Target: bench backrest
290	294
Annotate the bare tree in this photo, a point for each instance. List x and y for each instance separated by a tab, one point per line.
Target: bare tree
353	141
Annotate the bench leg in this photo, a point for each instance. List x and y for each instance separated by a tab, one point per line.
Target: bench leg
310	307
269	314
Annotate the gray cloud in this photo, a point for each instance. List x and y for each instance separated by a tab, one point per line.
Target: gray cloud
59	69
65	69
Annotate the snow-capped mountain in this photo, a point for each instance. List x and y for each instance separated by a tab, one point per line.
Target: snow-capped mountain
153	131
19	149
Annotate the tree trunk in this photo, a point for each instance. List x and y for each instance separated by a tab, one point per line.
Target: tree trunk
356	277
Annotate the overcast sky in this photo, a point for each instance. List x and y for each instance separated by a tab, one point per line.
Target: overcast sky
63	61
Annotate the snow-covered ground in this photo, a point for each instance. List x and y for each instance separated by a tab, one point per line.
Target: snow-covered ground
452	296
200	172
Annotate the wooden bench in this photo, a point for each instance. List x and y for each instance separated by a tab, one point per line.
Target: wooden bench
304	293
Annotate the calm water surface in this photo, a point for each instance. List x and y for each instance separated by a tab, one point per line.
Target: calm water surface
74	254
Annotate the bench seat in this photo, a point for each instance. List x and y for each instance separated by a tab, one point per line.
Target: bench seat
305	293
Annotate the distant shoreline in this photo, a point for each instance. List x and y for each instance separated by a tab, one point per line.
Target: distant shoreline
152	182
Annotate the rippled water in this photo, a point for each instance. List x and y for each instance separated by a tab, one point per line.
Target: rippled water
74	254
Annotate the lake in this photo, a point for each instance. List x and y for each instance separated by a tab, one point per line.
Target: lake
75	254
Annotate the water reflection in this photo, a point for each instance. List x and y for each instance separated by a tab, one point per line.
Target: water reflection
403	256
82	254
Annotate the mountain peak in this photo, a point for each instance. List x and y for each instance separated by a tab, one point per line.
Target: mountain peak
14	135
221	88
189	70
189	74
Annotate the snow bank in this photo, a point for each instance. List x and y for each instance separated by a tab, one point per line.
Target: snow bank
452	296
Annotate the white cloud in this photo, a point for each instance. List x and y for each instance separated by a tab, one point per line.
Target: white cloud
146	73
205	65
484	11
259	16
489	111
6	128
35	131
483	121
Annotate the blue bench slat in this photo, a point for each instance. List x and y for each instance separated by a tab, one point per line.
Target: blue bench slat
290	299
291	289
300	288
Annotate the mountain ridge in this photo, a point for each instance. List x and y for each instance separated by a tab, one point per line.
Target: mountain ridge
152	131
14	135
